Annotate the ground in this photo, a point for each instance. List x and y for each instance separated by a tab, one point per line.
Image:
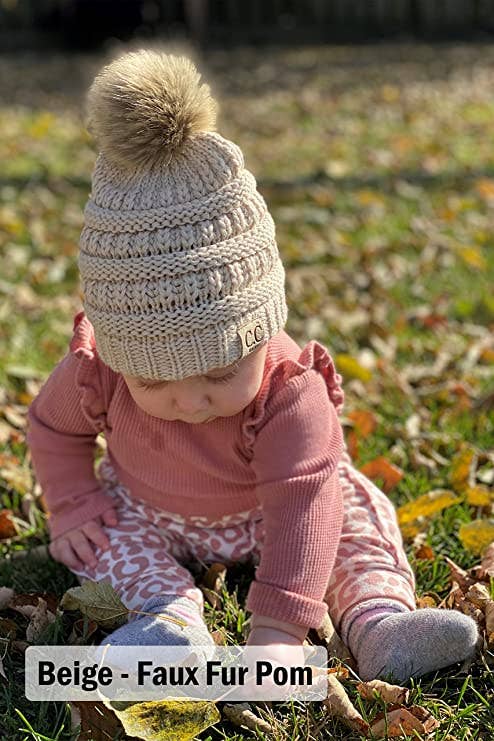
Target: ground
377	163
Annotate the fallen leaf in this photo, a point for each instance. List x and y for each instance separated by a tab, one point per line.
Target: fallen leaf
364	421
8	628
410	530
400	721
99	602
381	468
219	637
351	368
462	465
20	646
476	536
167	720
27	603
81	632
424	553
489	621
459	575
426	505
97	722
240	714
426	601
213	584
332	641
479	496
7	525
6	594
388	692
487	563
479	595
40	619
339	705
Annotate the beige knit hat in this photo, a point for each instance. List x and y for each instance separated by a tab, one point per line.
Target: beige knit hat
179	267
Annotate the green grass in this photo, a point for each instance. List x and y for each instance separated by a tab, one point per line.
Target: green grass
378	169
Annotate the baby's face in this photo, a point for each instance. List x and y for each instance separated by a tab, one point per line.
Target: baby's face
222	392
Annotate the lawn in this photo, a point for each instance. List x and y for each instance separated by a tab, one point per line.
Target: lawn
377	163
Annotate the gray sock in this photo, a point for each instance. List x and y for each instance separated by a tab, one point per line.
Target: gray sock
145	630
400	645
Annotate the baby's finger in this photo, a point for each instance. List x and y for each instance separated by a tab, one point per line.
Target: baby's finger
63	553
82	549
109	517
95	533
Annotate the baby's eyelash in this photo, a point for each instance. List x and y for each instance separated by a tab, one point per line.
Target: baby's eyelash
144	386
223	379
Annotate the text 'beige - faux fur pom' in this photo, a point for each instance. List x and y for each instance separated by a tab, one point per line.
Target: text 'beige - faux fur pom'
142	108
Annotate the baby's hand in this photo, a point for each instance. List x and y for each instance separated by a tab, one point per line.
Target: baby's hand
73	548
277	647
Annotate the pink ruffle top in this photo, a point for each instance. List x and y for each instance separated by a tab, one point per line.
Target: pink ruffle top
280	454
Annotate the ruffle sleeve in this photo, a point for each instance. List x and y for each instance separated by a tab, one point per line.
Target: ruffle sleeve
313	356
89	374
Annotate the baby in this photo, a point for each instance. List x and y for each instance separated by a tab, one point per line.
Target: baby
223	435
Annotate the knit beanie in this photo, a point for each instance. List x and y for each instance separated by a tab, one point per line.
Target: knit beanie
180	271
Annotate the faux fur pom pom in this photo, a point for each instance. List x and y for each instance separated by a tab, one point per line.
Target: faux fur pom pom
142	108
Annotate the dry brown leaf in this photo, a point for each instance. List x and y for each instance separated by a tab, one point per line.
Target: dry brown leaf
479	595
487	563
400	721
240	714
364	421
338	704
340	672
425	553
425	601
20	646
8	628
25	604
82	630
219	637
467	608
7	524
459	575
40	618
489	621
213	583
6	595
381	468
332	641
98	723
388	692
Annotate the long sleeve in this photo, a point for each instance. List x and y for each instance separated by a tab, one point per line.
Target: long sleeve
295	459
63	426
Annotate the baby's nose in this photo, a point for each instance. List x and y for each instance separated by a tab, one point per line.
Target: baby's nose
190	403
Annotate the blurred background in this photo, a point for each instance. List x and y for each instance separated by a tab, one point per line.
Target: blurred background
88	22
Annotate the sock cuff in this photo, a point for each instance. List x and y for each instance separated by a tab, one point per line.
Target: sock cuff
181	606
364	612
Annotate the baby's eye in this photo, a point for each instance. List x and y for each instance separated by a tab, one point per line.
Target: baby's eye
141	385
223	379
